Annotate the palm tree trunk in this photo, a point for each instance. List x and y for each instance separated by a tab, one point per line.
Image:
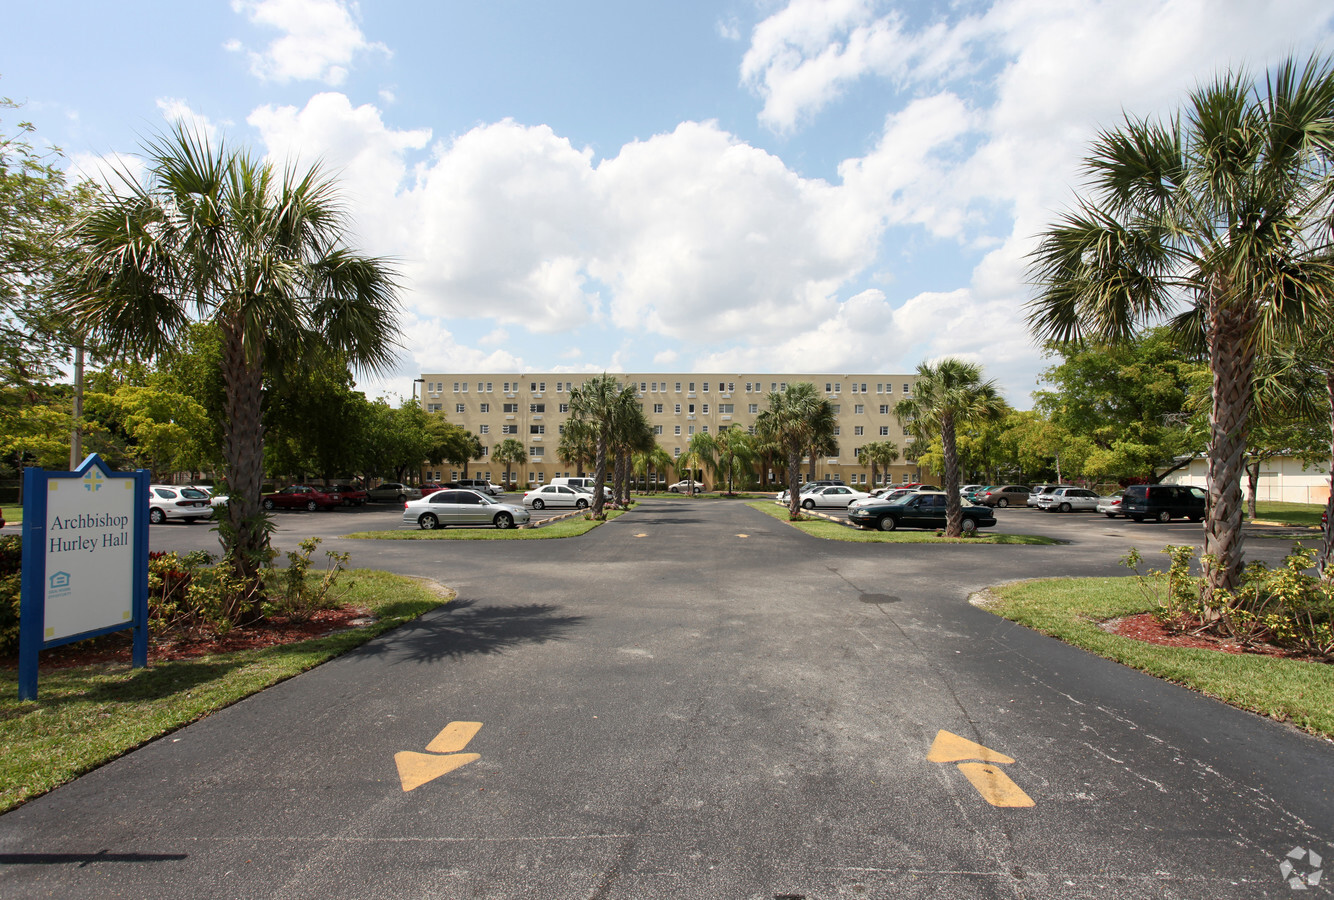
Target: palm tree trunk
793	488
1232	361
245	540
1327	547
599	476
953	506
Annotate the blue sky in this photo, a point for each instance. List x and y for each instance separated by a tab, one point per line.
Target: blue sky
812	185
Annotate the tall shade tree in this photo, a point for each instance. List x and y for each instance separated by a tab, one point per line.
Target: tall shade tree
1217	217
949	395
596	402
794	421
215	235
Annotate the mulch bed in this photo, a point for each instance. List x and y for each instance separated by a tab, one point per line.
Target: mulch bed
115	648
1146	627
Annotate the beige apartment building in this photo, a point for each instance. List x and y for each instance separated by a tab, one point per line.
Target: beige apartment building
533	408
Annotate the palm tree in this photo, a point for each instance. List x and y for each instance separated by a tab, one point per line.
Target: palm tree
949	395
796	420
577	444
736	455
878	454
217	235
631	434
1217	216
704	453
653	461
508	452
595	402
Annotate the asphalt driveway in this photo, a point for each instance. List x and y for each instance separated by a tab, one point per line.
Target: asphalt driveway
695	700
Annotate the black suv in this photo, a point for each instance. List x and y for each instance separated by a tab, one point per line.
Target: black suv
1163	502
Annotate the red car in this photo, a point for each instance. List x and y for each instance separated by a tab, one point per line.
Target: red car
352	496
302	496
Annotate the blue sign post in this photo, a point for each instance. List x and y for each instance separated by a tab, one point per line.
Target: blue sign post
85	561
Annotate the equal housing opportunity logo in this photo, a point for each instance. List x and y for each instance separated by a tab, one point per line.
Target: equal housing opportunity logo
1301	868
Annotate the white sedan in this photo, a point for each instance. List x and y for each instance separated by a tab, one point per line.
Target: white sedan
167	501
837	496
1068	499
462	507
557	495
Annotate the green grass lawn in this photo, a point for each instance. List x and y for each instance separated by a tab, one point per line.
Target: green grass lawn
87	716
1289	513
1285	689
13	515
832	531
571	527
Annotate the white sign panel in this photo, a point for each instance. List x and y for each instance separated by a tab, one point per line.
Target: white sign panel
89	553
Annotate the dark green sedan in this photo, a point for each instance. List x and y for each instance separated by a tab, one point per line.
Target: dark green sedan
920	510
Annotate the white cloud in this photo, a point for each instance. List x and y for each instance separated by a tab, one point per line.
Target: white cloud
320	40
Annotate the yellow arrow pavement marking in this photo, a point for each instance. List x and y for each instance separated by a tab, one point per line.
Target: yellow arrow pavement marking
994	785
456	736
952	748
415	769
641	535
743	535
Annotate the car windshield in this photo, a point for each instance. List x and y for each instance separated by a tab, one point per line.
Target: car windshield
900	501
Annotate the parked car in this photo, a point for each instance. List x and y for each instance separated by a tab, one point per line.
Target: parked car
804	490
1005	495
301	496
686	487
920	509
430	487
1038	490
557	495
459	506
167	501
1110	506
1068	499
1163	502
482	485
836	496
393	492
351	496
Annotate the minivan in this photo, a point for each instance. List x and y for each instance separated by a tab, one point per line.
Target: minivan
1163	502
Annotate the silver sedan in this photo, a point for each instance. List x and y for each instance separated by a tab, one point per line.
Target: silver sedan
836	496
557	495
462	507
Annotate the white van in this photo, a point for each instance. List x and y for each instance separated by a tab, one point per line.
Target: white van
585	482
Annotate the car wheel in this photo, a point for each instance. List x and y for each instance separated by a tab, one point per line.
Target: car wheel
156	516
538	504
504	520
673	491
581	504
311	506
268	504
428	522
808	504
969	526
402	498
1164	516
1065	507
888	523
1002	503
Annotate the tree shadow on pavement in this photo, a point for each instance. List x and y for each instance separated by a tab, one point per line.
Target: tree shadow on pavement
464	628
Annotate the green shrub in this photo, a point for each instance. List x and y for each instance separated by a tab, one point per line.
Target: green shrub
1287	606
290	591
11	590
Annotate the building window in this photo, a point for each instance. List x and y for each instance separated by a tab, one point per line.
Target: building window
859	409
509	429
564	407
459	408
677	429
690	429
692	387
748	384
782	386
706	387
657	429
754	408
858	430
486	451
884	409
657	407
643	387
828	388
676	451
731	387
456	387
690	408
705	409
485	407
488	387
884	430
773	386
560	387
678	409
837	430
537	407
836	407
484	429
433	407
537	429
725	409
705	429
907	389
535	452
678	387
